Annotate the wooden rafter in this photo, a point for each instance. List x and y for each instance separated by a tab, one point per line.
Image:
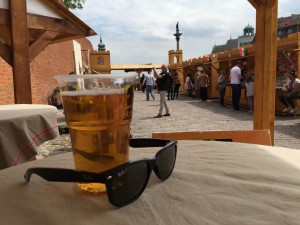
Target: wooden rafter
271	3
41	43
254	3
6	53
258	3
53	24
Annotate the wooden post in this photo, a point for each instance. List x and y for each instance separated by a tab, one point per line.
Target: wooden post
265	66
20	46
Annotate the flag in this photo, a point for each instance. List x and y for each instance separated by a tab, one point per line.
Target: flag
206	58
243	52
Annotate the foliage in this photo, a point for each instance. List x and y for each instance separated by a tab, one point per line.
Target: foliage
56	90
74	4
63	129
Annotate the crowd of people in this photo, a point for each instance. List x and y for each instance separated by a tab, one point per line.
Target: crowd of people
238	78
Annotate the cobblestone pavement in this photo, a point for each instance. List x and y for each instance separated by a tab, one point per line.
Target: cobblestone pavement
188	114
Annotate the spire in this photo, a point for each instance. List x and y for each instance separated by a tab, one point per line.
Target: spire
101	46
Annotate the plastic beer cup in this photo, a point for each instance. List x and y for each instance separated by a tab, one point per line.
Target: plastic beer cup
98	111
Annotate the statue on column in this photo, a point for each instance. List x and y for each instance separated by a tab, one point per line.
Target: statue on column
177	35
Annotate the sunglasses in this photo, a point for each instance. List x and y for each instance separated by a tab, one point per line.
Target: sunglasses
124	183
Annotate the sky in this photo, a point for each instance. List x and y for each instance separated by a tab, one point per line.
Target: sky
141	31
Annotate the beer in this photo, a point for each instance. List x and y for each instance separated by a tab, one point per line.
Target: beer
99	123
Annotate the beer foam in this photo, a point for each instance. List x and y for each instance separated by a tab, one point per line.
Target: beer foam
94	92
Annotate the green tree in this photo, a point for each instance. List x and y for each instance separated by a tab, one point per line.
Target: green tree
74	4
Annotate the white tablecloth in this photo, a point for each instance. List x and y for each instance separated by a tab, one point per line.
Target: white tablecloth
22	128
212	183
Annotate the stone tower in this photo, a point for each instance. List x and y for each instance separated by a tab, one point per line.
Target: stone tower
100	60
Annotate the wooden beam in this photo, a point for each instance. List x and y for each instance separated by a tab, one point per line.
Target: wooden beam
254	3
271	3
265	67
6	53
41	43
53	24
4	16
62	10
19	37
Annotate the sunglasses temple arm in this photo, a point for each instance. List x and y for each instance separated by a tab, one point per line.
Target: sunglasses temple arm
147	142
64	175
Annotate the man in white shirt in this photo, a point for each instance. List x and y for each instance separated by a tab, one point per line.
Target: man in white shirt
235	82
149	81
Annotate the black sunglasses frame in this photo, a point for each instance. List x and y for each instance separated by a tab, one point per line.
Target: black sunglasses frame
106	177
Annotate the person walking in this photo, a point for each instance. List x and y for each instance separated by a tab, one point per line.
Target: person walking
170	87
142	82
221	87
203	83
176	84
149	81
162	87
235	82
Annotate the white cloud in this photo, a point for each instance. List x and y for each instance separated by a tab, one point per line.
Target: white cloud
142	31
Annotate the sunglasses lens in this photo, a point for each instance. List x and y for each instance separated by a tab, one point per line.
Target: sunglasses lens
128	184
166	161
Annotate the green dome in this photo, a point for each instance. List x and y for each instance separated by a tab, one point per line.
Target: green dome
101	46
249	30
248	27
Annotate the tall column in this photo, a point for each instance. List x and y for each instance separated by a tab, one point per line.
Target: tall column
177	35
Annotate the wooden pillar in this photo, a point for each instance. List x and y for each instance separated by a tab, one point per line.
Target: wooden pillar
265	65
20	46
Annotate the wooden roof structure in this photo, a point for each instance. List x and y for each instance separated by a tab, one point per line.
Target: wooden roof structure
26	28
265	63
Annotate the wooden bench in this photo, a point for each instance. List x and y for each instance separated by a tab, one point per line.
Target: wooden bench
261	137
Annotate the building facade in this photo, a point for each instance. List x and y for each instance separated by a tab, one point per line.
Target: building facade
243	40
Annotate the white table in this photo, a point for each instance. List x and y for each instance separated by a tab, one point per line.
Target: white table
23	127
212	183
